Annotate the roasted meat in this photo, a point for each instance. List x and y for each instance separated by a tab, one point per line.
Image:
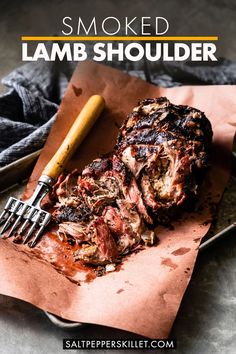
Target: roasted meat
107	180
111	208
101	248
104	199
166	147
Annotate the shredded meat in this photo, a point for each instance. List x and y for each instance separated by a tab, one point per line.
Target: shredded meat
102	249
111	208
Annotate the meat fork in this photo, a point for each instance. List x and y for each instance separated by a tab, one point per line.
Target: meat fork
21	216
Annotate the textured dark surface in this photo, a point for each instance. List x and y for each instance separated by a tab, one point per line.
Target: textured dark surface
27	17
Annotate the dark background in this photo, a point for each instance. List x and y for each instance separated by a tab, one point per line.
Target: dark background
44	17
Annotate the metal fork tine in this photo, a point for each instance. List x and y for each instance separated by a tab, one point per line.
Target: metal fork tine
6	211
32	228
9	219
27	221
29	233
2	216
18	220
38	234
46	220
7	224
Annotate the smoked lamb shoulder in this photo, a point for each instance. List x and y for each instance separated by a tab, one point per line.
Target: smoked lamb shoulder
111	208
167	148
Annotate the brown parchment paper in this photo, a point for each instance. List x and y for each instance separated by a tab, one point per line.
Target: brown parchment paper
145	294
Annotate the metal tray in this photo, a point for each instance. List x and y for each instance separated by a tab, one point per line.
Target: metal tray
60	322
17	171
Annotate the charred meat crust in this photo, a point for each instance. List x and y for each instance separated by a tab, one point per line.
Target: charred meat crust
159	160
167	149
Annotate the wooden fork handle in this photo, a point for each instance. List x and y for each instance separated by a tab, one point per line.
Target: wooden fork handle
80	128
